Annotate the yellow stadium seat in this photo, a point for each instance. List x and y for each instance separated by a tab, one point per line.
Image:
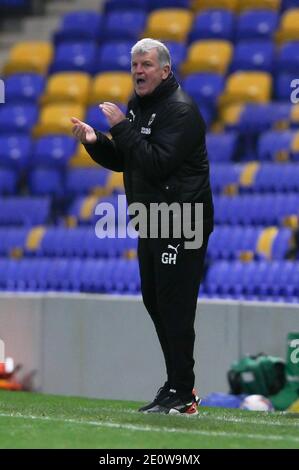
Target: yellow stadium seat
244	5
55	119
198	5
295	143
169	24
247	87
111	86
265	241
82	159
230	115
208	56
68	86
295	114
31	56
289	26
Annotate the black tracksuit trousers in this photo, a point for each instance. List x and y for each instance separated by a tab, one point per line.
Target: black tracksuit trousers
170	283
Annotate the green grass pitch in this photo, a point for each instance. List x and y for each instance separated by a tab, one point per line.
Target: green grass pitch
32	420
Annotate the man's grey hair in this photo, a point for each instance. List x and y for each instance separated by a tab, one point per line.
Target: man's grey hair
146	44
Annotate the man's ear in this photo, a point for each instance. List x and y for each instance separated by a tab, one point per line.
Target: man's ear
166	72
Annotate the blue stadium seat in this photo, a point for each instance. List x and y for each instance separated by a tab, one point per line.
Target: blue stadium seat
74	56
24	210
43	181
8	181
112	5
221	147
114	55
277	178
157	4
288	58
178	52
204	87
282	85
24	87
257	24
15	151
79	26
223	175
253	55
212	24
255	209
84	180
12	239
259	117
123	25
17	118
272	144
53	151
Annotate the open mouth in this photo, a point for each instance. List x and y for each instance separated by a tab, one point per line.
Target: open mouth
140	81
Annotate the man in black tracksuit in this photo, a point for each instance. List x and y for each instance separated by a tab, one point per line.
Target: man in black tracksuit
160	148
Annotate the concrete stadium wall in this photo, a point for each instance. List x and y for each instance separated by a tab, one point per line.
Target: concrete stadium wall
106	347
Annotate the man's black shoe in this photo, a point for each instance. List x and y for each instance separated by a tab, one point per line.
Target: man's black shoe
173	404
162	393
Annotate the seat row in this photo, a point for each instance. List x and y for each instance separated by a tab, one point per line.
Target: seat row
226	242
259	280
114	276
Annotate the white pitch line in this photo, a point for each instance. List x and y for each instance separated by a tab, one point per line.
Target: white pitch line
138	428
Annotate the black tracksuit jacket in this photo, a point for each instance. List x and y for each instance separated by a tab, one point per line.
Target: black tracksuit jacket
160	148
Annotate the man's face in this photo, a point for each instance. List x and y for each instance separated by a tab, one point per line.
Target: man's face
147	73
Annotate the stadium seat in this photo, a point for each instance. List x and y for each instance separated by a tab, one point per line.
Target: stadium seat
288	28
112	5
221	146
277	178
169	24
223	176
24	210
178	52
204	87
86	180
45	181
253	55
275	145
24	87
282	85
8	181
17	118
199	5
255	118
74	56
79	26
111	86
53	151
158	4
288	58
212	24
55	118
12	240
15	151
208	56
244	5
256	24
69	86
242	87
113	56
123	25
31	56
